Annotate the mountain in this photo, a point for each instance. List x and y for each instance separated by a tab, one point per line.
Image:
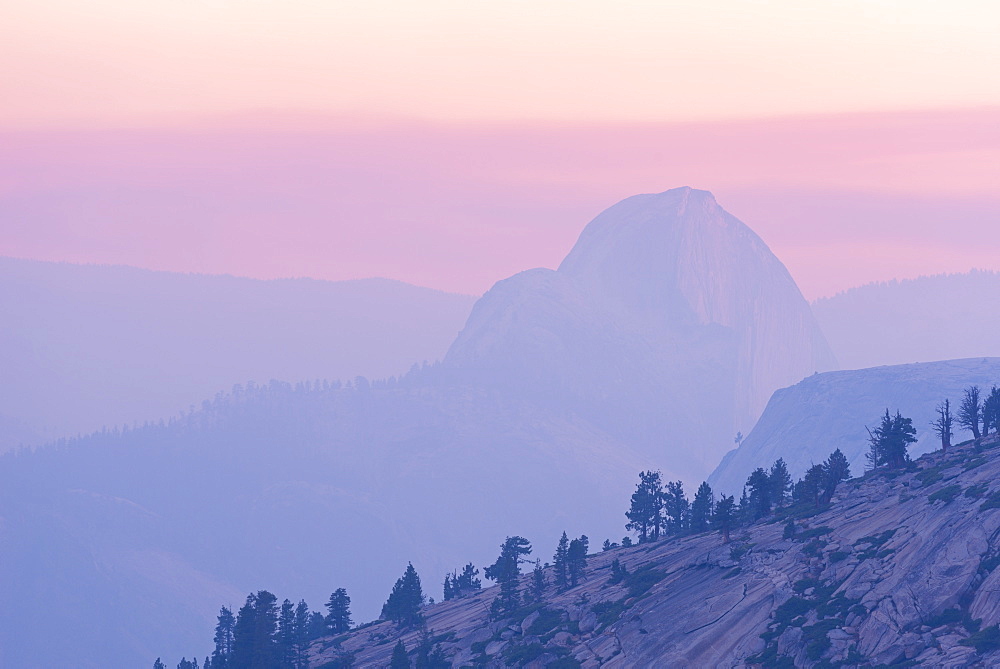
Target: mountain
806	422
560	388
669	323
941	317
86	346
899	570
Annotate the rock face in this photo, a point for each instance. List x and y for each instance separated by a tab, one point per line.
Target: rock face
805	423
901	566
669	323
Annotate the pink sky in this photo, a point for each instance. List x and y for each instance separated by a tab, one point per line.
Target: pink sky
452	143
842	199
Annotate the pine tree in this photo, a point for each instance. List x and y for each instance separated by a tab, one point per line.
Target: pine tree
405	600
743	514
675	506
159	664
576	559
991	412
429	654
723	517
537	581
618	572
835	469
317	625
645	515
888	442
970	410
780	483
505	571
302	638
559	567
465	583
608	545
338	620
812	485
399	660
287	635
942	425
701	508
223	639
759	504
448	589
254	638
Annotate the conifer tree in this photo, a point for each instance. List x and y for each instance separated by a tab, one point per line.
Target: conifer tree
302	638
287	635
759	503
224	631
399	659
505	571
338	620
576	559
780	483
645	515
467	582
405	600
702	507
970	410
812	485
743	514
429	654
888	442
991	412
159	664
835	469
537	581
675	506
942	425
448	588
724	514
559	568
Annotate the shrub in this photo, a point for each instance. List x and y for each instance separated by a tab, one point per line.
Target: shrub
945	494
985	640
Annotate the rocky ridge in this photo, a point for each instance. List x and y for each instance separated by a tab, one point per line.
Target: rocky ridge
899	568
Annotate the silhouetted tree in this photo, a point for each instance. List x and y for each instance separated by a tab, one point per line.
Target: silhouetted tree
969	411
626	542
302	638
317	625
537	581
505	571
810	489
338	620
608	545
759	503
645	515
888	442
701	508
399	659
779	483
724	516
254	642
187	664
224	630
287	635
576	559
405	600
835	469
942	425
675	506
991	412
560	569
159	664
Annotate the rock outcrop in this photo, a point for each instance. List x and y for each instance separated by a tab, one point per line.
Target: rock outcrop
900	567
669	324
806	422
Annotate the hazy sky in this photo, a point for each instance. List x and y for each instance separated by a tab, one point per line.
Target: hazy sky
453	143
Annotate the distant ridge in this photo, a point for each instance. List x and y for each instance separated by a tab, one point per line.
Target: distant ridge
86	346
939	317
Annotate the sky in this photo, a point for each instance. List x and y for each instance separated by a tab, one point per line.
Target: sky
451	144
